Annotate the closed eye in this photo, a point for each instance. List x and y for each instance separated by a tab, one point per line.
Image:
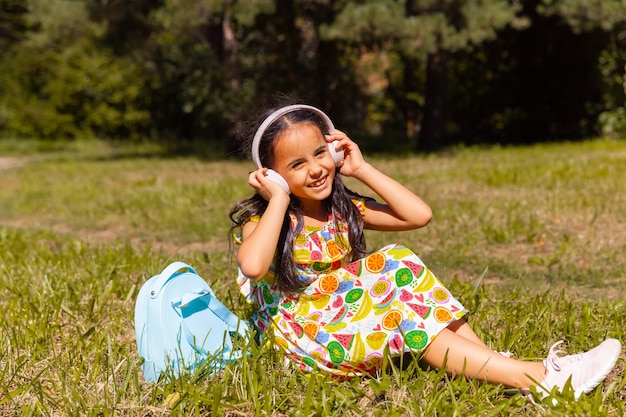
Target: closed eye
321	150
296	164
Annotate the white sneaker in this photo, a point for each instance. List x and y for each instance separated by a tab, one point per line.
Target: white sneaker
585	370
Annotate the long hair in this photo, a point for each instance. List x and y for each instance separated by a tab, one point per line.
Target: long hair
339	203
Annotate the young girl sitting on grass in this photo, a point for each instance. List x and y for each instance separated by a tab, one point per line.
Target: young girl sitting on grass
335	307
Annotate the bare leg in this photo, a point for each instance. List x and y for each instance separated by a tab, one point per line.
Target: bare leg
460	356
461	328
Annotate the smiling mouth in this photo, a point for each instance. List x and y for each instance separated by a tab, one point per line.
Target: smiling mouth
318	183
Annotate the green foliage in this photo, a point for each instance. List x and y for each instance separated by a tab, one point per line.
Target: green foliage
13	23
612	118
82	93
187	77
66	88
586	15
424	26
182	70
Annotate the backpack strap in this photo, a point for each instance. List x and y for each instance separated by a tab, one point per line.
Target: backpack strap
168	273
222	312
228	316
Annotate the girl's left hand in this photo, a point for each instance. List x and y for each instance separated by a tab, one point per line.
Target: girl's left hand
353	158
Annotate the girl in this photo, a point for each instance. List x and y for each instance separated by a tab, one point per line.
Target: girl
336	308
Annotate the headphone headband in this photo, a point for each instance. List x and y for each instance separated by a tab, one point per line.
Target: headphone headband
275	116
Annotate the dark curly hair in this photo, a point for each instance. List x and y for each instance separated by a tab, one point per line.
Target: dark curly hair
339	203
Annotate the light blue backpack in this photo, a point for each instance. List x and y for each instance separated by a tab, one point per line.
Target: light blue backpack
180	324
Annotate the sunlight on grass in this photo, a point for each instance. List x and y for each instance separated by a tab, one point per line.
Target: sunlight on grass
532	240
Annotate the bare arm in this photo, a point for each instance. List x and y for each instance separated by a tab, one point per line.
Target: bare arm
402	209
259	240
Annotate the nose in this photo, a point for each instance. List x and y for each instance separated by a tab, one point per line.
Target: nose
316	170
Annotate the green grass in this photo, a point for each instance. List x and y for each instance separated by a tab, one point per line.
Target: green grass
531	239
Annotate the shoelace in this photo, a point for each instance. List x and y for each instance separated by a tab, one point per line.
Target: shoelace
554	360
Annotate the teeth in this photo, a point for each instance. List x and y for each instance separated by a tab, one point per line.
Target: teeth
318	183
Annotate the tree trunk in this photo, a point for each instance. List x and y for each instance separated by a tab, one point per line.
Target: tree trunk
433	127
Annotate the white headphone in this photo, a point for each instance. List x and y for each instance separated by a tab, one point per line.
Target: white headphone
273	175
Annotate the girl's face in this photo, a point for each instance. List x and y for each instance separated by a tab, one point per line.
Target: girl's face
302	158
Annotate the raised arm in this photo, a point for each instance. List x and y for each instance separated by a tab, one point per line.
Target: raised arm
259	240
401	210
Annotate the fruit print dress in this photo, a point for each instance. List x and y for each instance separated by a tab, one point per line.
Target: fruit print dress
350	313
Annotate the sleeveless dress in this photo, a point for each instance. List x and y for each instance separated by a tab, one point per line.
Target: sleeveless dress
351	313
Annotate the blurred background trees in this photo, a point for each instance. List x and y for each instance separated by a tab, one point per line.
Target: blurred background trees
429	73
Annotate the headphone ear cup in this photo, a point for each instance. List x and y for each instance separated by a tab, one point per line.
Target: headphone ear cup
336	155
278	179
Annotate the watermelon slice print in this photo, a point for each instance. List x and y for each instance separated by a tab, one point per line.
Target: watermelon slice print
344	339
396	343
316	255
421	310
296	328
387	300
338	302
316	239
415	268
354	268
339	316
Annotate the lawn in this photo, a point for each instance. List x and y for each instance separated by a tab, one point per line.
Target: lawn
531	239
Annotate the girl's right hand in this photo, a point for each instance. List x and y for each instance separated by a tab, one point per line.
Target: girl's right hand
353	158
266	188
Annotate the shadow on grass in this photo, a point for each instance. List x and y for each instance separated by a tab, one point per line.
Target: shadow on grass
391	145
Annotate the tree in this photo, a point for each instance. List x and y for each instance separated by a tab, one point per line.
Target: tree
58	85
550	80
289	55
438	72
601	24
13	23
418	32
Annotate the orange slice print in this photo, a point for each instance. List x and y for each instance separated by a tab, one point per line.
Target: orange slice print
375	262
329	283
311	329
443	315
332	250
282	343
391	320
